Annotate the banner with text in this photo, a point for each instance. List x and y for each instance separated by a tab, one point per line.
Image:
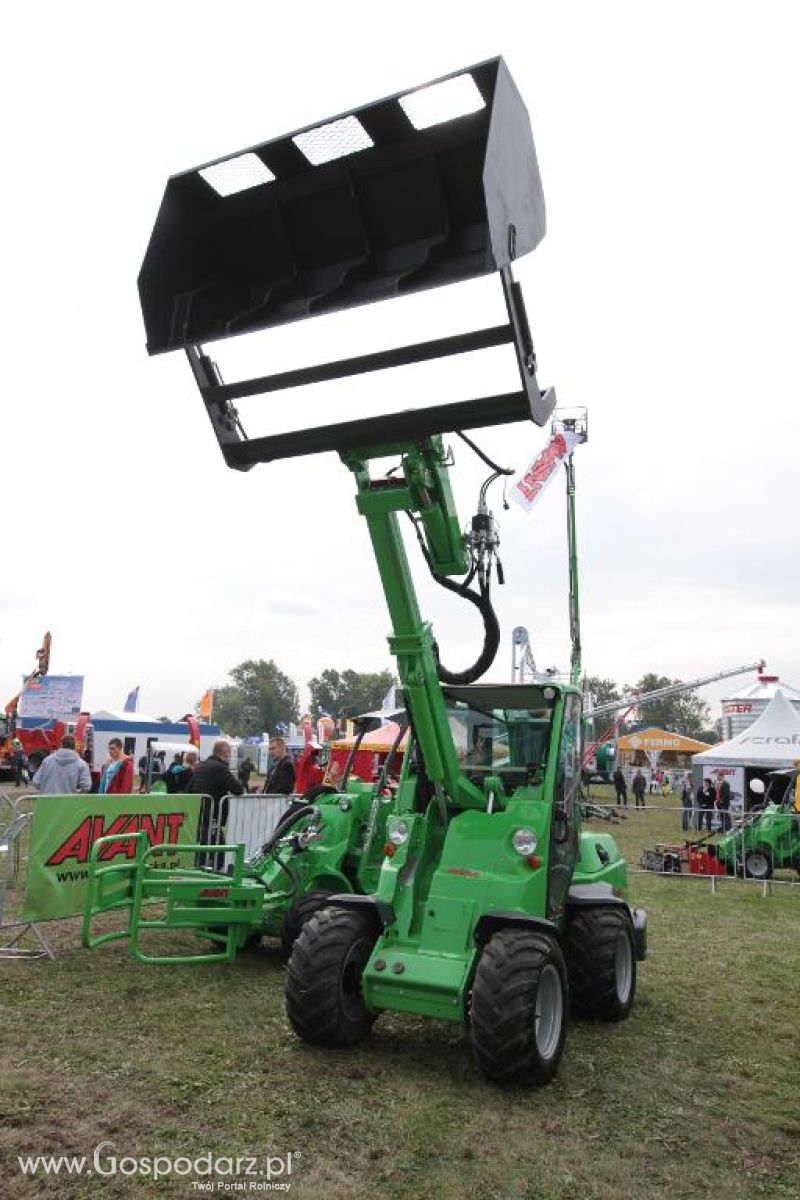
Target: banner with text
52	697
528	487
64	829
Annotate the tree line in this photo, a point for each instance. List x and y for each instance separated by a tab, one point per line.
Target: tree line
684	713
261	697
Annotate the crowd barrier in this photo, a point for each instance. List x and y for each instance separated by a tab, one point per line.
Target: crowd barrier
12	825
248	819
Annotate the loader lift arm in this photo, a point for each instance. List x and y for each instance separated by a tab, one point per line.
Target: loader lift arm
423	489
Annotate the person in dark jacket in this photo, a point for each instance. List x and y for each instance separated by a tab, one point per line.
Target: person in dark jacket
705	804
620	787
246	768
280	776
724	804
214	779
20	764
280	781
177	775
639	784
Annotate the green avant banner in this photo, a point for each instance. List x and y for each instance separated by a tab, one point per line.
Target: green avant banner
64	829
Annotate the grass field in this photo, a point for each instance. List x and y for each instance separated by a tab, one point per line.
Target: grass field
696	1094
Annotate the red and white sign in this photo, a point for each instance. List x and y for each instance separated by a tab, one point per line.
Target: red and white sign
528	487
736	708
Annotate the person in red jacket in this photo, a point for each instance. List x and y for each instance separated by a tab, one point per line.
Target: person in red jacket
117	774
308	772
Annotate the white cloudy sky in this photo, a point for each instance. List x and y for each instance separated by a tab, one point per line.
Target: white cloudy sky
664	297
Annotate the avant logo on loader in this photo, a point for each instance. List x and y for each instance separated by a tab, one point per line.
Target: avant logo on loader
77	845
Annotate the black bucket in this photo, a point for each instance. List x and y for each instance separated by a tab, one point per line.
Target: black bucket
388	199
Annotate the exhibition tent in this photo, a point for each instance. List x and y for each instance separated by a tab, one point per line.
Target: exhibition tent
771	741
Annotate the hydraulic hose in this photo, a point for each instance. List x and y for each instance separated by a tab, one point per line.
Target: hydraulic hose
483	602
491	634
284	825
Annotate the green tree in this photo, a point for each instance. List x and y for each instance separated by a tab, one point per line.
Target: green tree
684	712
258	698
602	691
347	693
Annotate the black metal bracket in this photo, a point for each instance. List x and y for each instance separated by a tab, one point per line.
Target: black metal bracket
242	452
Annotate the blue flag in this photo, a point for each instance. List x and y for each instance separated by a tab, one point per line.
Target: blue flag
132	703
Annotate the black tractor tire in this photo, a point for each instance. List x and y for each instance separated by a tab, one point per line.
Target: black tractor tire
324	1000
300	912
518	1013
758	863
602	963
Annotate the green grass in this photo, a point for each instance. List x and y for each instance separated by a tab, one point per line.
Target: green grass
695	1094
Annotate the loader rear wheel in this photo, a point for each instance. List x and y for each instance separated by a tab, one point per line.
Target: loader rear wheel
519	1008
602	963
324	1000
300	912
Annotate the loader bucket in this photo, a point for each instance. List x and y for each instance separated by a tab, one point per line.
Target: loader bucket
423	188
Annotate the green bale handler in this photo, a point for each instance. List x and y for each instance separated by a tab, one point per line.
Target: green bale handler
490	905
331	842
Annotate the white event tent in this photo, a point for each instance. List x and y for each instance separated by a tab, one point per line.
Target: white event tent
771	742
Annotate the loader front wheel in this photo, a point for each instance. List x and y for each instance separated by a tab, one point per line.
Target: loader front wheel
519	1008
300	912
324	999
758	863
602	963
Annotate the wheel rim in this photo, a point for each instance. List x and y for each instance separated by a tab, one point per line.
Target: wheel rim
623	967
549	1011
350	983
757	864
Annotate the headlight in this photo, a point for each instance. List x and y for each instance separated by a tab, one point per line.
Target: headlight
524	842
398	833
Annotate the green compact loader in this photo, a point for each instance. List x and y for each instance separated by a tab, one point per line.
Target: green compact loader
766	838
489	905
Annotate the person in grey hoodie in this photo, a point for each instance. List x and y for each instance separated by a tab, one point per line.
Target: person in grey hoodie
63	772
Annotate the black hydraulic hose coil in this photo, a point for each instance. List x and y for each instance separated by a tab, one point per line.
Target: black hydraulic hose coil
491	634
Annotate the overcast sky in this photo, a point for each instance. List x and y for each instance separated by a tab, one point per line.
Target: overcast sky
664	298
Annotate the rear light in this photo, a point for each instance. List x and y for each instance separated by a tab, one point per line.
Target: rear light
390	850
533	861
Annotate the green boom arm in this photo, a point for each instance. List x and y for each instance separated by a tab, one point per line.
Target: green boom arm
423	489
